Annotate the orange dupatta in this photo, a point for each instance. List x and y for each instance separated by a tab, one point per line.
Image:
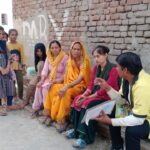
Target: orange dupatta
54	62
73	71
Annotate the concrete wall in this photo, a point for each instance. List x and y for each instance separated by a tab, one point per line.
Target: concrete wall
6	8
122	25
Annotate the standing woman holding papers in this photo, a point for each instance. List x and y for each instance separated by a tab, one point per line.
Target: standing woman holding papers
93	96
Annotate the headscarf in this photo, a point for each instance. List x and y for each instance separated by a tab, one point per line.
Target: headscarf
54	62
73	71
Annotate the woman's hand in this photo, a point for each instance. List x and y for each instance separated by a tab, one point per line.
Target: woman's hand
63	91
39	84
53	82
102	83
81	99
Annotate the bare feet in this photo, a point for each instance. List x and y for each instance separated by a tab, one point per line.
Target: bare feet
3	110
61	127
15	107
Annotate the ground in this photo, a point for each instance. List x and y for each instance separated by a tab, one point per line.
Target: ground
19	132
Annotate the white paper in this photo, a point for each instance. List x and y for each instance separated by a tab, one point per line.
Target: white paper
94	112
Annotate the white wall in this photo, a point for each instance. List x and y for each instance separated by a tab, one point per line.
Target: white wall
6	7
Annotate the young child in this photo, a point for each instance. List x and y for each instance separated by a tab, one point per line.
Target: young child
6	86
18	59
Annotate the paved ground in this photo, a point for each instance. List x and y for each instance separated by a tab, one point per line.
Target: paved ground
19	132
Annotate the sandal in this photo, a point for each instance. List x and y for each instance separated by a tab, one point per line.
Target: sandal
42	119
61	127
80	143
35	114
70	134
48	121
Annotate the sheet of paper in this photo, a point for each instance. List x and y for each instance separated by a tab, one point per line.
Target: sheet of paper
94	112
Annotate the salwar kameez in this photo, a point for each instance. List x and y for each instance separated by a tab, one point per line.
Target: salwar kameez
63	103
41	92
58	108
82	131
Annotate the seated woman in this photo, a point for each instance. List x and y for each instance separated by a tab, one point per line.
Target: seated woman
52	73
39	59
94	95
59	98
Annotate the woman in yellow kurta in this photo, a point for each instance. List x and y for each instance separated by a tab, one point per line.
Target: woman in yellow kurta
76	79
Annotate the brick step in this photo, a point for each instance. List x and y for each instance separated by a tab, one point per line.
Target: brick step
103	130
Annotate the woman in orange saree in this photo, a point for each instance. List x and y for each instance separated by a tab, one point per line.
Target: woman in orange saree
76	79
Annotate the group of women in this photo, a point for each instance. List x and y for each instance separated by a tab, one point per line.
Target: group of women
66	87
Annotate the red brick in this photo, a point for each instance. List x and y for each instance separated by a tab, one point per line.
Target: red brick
134	1
104	5
116	34
118	22
113	10
115	16
102	17
122	2
95	18
83	7
128	8
107	17
120	9
140	33
106	11
89	34
95	1
114	3
63	1
91	23
111	22
146	1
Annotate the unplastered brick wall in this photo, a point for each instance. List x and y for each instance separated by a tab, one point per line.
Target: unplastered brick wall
122	25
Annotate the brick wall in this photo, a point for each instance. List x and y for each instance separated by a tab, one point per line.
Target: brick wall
122	25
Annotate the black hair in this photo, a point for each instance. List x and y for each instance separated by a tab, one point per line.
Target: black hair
131	61
40	46
54	41
15	51
1	28
6	34
100	49
12	30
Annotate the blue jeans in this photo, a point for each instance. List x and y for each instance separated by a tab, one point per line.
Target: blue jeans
9	100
